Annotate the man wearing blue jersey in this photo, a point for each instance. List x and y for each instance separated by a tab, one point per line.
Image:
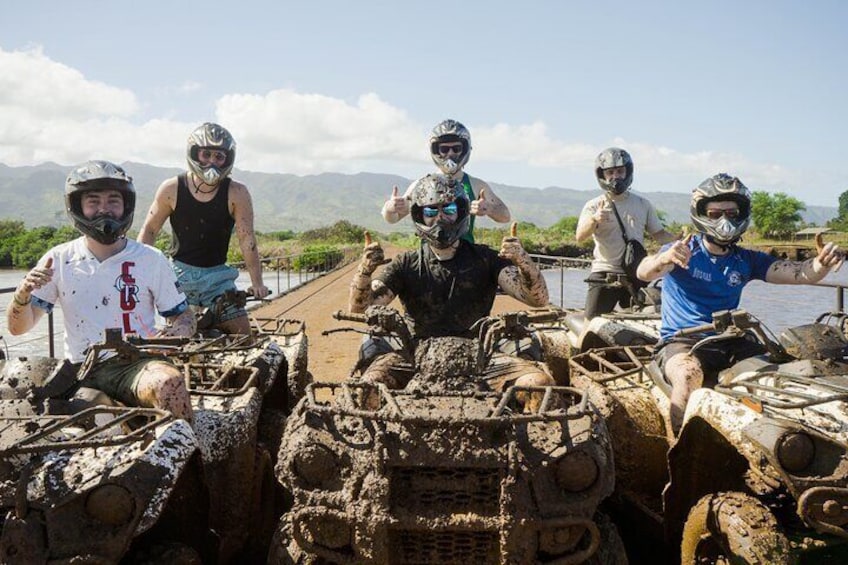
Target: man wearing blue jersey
706	273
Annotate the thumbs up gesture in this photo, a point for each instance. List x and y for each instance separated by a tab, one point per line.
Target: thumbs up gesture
39	276
397	203
679	253
511	247
372	256
481	206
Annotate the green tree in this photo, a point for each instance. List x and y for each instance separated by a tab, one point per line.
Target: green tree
9	231
775	215
840	223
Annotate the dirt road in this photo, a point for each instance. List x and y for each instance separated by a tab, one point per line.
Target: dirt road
332	357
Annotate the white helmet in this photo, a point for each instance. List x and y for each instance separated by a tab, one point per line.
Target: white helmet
447	131
723	231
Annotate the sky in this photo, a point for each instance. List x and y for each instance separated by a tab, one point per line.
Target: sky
754	88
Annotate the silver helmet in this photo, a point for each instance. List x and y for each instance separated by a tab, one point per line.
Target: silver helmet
210	136
721	187
439	190
99	175
608	159
447	131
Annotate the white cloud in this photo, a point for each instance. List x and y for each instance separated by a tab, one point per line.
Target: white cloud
50	112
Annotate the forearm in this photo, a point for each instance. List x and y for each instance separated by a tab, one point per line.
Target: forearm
181	325
810	271
20	316
653	267
147	236
360	296
525	282
585	229
252	262
498	211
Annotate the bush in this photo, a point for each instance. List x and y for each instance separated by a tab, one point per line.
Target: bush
317	258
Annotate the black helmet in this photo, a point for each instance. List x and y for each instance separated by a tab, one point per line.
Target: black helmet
439	190
718	188
608	159
99	175
210	136
447	131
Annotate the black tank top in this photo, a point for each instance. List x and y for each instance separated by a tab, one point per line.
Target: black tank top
201	230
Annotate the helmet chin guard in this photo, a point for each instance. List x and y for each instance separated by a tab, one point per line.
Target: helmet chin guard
722	187
210	136
608	159
98	176
448	131
437	191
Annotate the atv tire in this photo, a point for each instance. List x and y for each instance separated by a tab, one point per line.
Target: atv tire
733	527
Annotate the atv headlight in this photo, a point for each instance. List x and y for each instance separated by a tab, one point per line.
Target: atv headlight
576	471
316	465
112	505
327	531
795	451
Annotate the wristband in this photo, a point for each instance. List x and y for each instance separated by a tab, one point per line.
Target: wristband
19	302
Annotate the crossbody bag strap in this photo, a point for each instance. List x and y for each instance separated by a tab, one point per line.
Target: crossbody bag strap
620	223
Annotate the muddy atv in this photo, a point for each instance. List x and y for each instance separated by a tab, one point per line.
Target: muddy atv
637	325
239	421
759	470
445	470
88	483
567	332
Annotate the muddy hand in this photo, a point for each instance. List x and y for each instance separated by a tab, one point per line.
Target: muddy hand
511	247
36	278
829	254
480	207
397	203
372	257
679	253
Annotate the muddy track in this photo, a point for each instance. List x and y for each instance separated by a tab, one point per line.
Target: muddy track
331	357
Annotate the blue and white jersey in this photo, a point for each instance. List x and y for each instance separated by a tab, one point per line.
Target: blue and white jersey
711	283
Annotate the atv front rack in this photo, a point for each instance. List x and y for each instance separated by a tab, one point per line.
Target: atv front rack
775	393
607	364
348	399
81	430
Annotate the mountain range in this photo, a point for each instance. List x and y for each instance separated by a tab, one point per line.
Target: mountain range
35	194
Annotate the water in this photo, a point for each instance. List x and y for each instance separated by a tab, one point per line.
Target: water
778	306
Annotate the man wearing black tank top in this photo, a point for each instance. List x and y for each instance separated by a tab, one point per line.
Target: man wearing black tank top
204	205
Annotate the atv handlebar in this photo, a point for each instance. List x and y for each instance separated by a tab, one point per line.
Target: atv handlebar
729	324
349	316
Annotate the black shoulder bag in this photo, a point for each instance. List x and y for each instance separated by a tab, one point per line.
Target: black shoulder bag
634	252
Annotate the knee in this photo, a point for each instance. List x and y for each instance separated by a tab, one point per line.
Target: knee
684	372
535	379
163	386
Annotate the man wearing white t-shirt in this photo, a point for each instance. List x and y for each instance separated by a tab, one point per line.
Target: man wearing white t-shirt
103	280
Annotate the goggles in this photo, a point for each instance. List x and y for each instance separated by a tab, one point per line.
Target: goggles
730	213
448	148
433	211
